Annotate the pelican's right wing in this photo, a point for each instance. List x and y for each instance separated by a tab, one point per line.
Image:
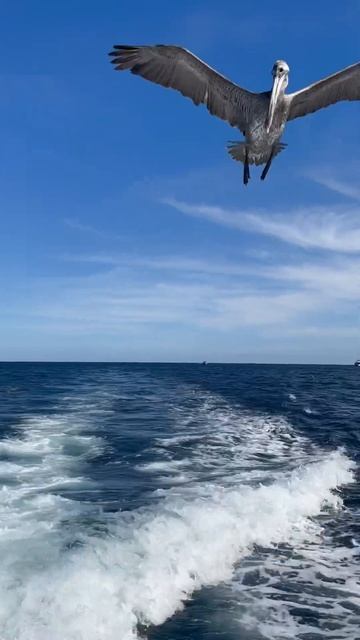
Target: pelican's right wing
179	69
343	85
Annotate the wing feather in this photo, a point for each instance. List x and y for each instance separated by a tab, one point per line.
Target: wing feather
343	85
178	68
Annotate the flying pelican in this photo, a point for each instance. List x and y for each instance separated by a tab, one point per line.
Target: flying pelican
261	117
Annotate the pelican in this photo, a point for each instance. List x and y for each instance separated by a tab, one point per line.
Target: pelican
261	117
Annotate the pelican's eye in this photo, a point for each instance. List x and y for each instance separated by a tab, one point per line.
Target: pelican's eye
281	69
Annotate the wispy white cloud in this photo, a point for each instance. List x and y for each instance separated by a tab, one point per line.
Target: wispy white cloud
338	186
333	280
90	230
188	308
336	229
337	280
142	292
347	332
179	264
177	304
262	309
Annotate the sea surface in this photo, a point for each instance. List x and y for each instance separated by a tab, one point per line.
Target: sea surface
179	501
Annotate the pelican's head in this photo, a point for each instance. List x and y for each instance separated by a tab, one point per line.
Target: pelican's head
280	68
280	74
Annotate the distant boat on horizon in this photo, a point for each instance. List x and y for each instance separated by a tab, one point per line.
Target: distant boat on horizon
357	363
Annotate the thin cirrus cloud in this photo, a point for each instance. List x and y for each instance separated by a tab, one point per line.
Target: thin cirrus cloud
336	229
110	303
338	281
337	186
91	230
184	291
181	264
335	280
129	296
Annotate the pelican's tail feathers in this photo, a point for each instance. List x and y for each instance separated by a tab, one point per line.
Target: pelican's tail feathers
237	150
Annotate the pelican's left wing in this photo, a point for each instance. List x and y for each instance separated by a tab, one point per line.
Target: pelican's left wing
343	85
178	68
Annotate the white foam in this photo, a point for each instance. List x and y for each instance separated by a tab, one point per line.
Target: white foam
164	465
235	446
308	411
229	443
146	569
320	579
45	458
208	514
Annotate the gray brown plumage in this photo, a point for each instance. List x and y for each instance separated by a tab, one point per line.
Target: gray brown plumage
261	117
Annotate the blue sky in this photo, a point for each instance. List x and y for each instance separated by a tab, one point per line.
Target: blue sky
126	232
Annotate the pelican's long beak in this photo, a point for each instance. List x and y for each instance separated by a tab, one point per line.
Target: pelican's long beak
277	86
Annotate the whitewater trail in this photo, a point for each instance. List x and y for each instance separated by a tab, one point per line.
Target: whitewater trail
216	501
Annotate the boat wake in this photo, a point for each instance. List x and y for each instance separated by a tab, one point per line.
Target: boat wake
240	500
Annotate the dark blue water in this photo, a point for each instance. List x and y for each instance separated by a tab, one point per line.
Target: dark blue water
174	501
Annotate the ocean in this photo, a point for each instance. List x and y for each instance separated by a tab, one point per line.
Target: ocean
179	501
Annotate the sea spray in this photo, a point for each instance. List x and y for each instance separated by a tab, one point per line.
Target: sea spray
146	568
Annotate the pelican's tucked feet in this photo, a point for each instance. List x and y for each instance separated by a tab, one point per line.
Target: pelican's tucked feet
246	167
279	146
266	168
246	173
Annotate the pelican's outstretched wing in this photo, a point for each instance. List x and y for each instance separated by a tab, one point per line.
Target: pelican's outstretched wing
343	85
179	69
